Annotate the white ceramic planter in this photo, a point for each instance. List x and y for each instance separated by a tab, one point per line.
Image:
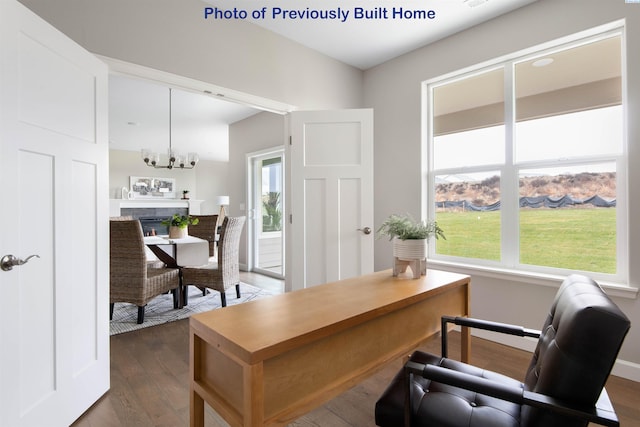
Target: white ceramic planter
409	249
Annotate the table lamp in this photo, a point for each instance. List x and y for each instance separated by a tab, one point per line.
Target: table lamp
222	201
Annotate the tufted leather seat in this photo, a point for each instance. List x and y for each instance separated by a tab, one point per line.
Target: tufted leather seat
576	350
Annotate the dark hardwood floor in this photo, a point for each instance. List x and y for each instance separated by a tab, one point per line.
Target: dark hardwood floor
150	381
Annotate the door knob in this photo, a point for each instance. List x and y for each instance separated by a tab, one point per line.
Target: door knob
9	261
365	230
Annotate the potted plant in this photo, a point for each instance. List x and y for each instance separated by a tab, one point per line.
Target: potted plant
409	236
179	225
185	194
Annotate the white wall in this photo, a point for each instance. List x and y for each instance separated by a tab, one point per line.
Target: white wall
212	179
207	180
393	90
123	164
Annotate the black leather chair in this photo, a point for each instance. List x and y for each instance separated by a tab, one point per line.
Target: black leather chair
563	386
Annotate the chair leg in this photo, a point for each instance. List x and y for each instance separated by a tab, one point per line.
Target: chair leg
185	295
223	297
111	310
141	314
182	292
176	297
238	290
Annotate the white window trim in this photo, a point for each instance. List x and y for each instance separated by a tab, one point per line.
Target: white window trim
615	283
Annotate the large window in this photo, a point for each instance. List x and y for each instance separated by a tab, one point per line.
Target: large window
527	161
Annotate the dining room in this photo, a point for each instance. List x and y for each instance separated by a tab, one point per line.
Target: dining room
152	114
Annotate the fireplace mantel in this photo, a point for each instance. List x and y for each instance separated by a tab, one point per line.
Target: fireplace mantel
115	205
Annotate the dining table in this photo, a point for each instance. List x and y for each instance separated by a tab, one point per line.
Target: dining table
182	252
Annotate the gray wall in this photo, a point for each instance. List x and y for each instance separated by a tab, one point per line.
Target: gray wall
172	36
256	133
393	90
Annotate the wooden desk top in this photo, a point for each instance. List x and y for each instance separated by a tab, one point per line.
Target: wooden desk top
261	329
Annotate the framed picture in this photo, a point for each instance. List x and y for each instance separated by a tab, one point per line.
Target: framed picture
144	187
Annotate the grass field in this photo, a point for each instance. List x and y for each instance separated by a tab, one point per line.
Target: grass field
577	239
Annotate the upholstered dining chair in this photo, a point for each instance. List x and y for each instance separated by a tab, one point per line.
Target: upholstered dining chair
563	386
224	273
132	279
206	229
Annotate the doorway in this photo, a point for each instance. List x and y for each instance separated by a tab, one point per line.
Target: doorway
266	196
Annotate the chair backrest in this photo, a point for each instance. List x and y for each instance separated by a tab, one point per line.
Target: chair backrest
128	261
229	248
580	341
205	229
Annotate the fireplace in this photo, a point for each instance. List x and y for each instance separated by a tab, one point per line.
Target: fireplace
151	218
152	226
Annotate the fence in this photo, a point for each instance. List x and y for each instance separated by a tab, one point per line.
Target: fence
531	202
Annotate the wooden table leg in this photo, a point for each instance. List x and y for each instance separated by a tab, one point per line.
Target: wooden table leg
169	260
196	410
196	402
253	395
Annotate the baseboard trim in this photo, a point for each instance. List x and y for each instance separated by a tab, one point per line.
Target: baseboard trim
622	368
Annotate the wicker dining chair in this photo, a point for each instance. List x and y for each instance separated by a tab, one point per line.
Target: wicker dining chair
152	260
132	280
206	229
223	274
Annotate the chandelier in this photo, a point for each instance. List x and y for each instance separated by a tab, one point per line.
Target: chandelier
175	160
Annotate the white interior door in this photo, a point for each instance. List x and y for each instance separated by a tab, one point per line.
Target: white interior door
54	356
331	216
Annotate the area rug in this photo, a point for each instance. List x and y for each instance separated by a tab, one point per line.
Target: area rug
160	309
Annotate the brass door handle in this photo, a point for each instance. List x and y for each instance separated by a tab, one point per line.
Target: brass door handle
9	261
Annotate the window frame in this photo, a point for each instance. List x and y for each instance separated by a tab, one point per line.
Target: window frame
509	169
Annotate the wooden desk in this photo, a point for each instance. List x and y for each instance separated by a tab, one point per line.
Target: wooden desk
268	362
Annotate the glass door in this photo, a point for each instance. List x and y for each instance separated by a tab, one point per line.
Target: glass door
267	194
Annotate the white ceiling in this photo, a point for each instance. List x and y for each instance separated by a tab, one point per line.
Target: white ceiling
365	43
139	110
139	118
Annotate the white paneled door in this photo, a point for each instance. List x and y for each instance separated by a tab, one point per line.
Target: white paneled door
54	356
331	216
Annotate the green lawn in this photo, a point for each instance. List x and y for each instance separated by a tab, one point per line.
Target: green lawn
577	239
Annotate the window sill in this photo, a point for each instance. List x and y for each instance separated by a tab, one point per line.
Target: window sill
612	289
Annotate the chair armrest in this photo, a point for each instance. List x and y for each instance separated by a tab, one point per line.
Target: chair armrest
470	322
602	413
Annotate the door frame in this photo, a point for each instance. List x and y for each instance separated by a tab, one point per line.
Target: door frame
118	67
135	71
252	184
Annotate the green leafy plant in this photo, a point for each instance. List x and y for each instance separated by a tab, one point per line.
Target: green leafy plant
404	227
180	221
272	215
